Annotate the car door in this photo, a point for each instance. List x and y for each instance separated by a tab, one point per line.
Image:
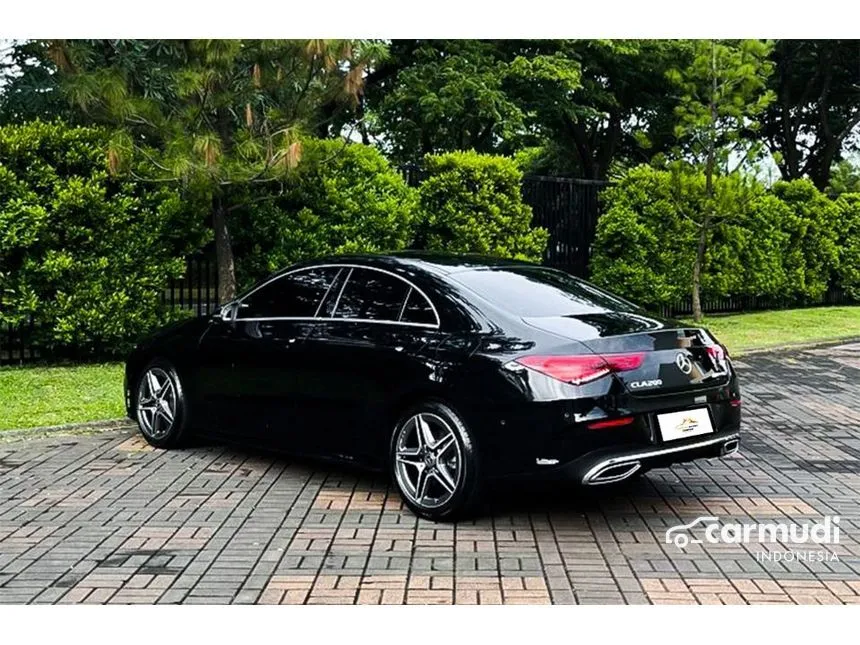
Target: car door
369	345
258	361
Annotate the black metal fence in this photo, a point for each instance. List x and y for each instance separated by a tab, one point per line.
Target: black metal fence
568	209
834	296
18	345
197	290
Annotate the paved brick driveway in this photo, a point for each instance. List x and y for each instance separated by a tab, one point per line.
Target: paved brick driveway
104	518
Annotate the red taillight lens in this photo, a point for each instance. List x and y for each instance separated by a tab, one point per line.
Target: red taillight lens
610	423
582	369
717	353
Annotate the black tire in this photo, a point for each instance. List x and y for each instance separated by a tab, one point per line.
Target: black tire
438	467
152	417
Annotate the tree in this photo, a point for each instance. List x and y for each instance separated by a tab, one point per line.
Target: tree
28	84
814	120
848	243
581	104
723	91
844	178
223	115
621	113
435	96
785	243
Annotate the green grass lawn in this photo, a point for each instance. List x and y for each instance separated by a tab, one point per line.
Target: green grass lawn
744	332
45	396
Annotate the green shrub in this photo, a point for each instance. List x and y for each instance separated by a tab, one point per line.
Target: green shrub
848	230
342	198
472	203
643	247
85	254
814	237
780	243
766	261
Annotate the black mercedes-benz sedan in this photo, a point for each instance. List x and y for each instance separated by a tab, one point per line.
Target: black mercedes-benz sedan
446	370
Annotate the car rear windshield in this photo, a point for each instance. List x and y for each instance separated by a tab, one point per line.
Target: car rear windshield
538	292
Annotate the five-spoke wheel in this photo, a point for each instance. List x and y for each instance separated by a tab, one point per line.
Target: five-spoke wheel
428	460
434	462
161	412
156	403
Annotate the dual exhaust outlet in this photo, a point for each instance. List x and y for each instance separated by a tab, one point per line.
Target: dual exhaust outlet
615	471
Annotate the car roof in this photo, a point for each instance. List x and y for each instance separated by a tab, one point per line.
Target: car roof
439	263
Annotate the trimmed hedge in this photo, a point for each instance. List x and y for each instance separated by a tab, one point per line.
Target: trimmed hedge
85	254
848	243
347	198
342	198
472	203
788	242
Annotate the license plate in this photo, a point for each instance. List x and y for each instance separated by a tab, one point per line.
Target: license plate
688	423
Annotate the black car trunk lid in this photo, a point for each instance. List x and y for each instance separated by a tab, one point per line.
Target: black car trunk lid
674	356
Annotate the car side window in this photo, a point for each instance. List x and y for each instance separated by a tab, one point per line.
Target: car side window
418	309
295	295
372	295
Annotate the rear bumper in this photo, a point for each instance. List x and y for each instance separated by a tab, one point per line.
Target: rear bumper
617	464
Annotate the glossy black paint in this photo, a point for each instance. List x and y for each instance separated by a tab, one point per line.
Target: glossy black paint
334	388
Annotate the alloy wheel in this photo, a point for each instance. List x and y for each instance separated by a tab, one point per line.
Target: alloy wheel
428	460
156	403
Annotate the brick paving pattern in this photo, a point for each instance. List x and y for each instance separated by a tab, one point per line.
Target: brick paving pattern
104	518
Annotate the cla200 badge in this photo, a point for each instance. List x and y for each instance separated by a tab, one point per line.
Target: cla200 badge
652	383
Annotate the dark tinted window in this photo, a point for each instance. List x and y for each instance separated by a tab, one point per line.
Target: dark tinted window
293	296
418	309
372	295
536	291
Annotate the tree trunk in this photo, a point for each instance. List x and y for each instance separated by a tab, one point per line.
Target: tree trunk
223	252
820	165
698	266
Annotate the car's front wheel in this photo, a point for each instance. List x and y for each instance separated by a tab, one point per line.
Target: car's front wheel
161	409
434	462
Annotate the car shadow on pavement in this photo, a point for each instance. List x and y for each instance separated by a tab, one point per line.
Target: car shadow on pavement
502	497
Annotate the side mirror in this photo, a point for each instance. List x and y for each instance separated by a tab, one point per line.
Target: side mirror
227	312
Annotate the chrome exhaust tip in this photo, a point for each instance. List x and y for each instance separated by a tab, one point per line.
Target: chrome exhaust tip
729	447
612	473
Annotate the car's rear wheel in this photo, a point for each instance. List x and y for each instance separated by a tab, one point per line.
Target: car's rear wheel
161	408
434	462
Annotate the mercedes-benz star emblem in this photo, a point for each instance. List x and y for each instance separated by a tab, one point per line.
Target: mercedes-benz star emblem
684	363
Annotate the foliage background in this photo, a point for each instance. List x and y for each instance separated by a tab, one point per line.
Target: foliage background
163	142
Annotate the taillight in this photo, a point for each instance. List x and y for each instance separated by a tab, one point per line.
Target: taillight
610	423
718	355
582	369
